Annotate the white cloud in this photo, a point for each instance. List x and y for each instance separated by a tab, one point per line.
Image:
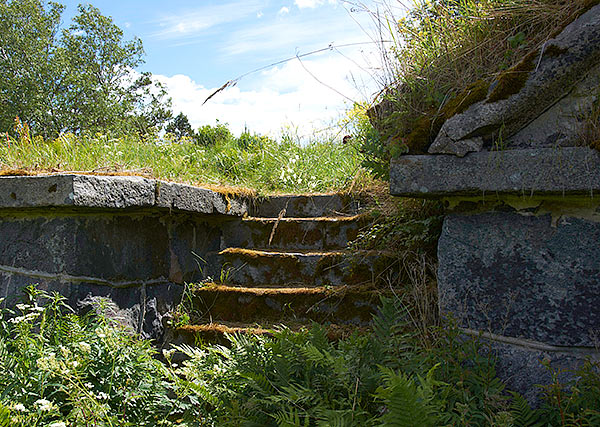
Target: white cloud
283	11
192	22
278	97
291	35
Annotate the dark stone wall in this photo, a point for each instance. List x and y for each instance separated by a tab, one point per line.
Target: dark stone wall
521	276
139	259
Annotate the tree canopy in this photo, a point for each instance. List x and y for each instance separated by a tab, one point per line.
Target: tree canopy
73	79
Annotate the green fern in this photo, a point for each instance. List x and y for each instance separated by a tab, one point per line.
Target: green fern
404	401
291	418
523	415
4	416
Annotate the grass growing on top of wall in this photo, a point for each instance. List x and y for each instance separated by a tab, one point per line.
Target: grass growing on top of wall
443	57
250	161
61	369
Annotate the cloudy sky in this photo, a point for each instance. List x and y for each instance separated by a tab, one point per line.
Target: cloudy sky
194	47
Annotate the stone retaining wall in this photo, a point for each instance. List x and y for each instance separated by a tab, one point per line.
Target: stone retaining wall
132	239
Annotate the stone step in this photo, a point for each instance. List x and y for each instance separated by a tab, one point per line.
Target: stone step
322	233
216	333
314	205
342	305
255	268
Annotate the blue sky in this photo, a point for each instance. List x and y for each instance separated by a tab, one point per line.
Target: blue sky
194	47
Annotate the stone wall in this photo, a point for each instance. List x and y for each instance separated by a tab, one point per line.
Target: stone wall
519	253
134	240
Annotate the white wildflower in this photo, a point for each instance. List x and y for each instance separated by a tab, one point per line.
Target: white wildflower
57	424
17	319
43	405
102	396
19	407
85	347
168	353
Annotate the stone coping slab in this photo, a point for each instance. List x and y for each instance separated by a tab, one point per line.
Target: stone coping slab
114	192
530	172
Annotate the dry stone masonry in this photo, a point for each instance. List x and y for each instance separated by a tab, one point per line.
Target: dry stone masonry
139	242
519	254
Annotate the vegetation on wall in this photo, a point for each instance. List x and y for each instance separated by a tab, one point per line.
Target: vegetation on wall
445	53
212	156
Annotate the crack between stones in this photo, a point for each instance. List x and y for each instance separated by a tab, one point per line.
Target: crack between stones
532	345
78	279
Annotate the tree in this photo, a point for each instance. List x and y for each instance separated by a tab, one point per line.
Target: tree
180	127
27	69
82	80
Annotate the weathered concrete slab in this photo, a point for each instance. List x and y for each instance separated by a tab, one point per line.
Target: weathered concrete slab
561	171
565	122
258	268
195	199
522	276
76	190
347	305
527	366
114	192
294	233
113	248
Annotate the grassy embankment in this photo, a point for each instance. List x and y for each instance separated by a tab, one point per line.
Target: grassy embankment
249	161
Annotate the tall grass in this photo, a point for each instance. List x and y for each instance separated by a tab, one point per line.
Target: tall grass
251	161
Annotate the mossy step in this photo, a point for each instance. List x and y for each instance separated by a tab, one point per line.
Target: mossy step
216	333
252	268
342	305
310	205
295	233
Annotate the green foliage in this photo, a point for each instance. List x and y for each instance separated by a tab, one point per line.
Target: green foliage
376	154
80	78
59	367
406	226
211	135
180	127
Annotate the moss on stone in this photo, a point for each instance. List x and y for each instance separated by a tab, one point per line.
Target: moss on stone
471	95
420	138
553	50
427	127
512	80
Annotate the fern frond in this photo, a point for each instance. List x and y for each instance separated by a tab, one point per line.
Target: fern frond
522	413
4	416
405	407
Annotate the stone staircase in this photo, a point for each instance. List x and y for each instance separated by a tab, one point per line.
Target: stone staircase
288	264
